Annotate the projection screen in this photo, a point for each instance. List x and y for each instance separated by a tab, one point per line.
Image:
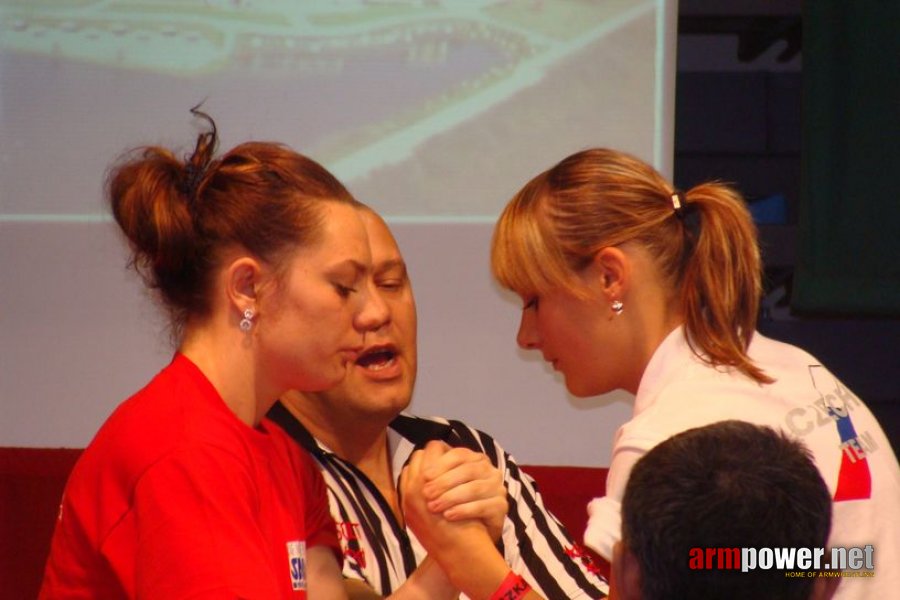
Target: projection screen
434	113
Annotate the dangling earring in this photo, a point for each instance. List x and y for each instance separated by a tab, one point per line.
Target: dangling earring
617	307
247	321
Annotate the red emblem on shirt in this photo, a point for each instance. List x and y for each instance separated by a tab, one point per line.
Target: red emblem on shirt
576	552
347	530
348	534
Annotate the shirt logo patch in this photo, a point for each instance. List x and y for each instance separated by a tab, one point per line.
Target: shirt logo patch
297	562
348	534
854	477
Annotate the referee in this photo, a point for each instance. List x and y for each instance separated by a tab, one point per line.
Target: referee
361	438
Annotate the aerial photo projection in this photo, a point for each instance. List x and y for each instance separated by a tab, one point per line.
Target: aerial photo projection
426	109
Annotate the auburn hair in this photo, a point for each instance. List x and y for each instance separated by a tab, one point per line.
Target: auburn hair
707	252
179	215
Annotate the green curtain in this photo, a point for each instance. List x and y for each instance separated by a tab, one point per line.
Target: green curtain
849	213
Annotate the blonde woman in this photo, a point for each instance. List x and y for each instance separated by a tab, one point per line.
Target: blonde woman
628	283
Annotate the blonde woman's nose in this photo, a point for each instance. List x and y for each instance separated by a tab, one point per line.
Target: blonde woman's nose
527	337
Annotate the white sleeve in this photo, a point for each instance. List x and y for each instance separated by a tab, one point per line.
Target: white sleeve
604	526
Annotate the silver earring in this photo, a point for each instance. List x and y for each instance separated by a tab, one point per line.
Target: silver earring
247	321
617	307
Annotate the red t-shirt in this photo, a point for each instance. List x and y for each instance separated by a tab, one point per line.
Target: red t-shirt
176	497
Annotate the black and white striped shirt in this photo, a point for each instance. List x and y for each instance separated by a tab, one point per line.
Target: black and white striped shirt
378	550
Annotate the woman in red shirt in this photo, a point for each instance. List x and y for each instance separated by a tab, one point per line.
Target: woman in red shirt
262	260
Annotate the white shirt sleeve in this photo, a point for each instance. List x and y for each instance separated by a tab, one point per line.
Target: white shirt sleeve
604	526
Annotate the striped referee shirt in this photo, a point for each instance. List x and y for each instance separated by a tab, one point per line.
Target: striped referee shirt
381	552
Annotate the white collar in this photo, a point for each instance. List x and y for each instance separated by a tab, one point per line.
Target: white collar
671	356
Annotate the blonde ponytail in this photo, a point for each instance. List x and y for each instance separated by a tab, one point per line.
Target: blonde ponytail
721	280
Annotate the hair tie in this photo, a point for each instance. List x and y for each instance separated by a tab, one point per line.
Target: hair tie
678	204
689	215
191	181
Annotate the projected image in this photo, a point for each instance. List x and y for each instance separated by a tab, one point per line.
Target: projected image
427	110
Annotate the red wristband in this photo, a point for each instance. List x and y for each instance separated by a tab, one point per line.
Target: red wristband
512	588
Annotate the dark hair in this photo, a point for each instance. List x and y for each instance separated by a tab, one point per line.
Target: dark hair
707	252
726	485
180	215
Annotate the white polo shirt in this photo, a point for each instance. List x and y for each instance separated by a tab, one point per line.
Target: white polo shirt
678	391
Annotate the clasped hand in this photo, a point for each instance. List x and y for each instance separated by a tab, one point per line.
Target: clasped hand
452	497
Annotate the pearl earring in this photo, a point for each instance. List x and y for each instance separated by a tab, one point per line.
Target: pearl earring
617	307
247	321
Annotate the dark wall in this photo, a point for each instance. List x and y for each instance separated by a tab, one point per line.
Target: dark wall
741	121
849	242
742	127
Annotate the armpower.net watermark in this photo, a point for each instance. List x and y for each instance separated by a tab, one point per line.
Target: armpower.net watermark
795	562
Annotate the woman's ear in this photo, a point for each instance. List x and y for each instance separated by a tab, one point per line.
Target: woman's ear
610	272
243	278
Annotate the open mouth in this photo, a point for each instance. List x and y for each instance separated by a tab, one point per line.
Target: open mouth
377	358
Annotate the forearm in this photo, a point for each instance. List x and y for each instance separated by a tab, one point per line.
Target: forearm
427	582
476	567
323	575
